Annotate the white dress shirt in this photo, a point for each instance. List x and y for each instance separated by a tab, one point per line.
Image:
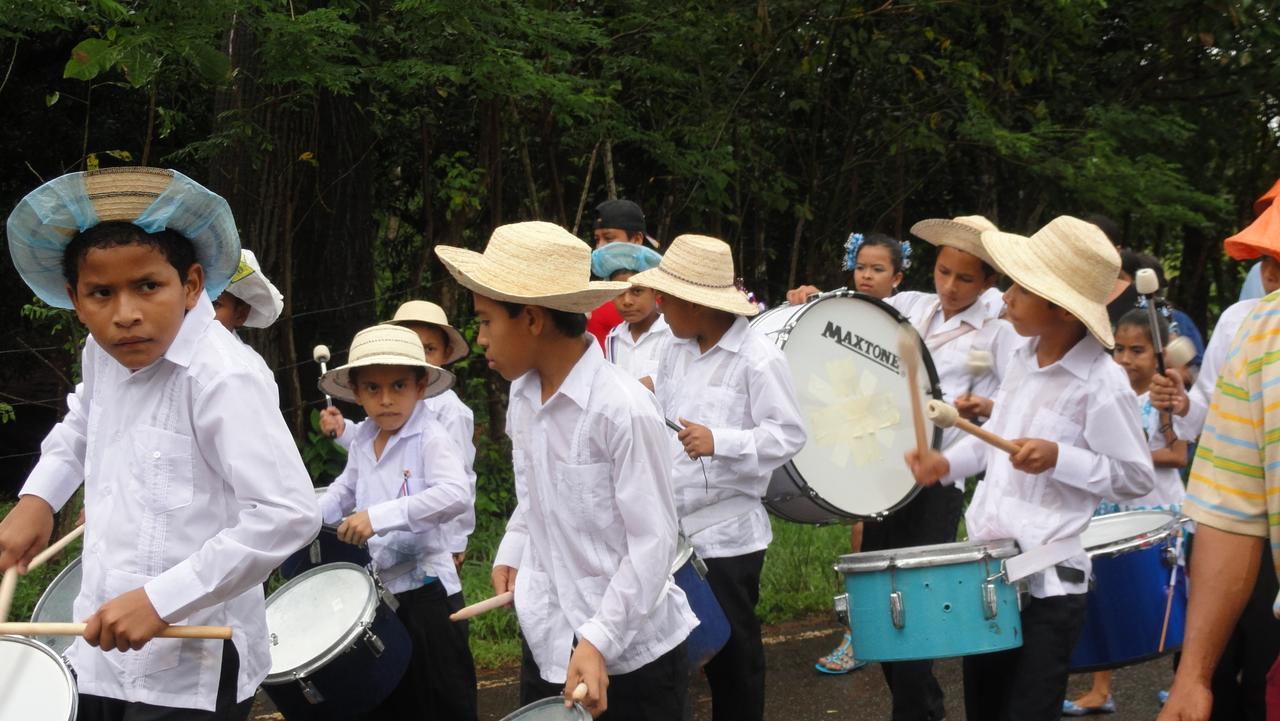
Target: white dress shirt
255	359
594	530
741	389
1215	357
1084	403
194	491
459	423
638	356
1168	492
412	493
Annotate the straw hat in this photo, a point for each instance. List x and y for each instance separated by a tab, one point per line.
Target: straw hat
251	286
534	263
1068	262
154	199
421	311
699	269
384	345
962	233
631	257
1259	238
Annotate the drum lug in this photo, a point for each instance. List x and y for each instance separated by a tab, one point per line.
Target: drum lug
375	644
841	604
989	603
897	611
309	690
1170	556
314	552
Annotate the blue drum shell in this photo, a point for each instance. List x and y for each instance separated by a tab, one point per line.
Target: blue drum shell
712	631
331	551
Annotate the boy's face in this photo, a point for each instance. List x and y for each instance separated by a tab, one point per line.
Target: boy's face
959	279
388	394
131	299
605	236
230	311
1030	314
509	343
434	342
681	315
635	304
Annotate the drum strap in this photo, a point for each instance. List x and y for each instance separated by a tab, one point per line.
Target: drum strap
1038	559
937	340
708	516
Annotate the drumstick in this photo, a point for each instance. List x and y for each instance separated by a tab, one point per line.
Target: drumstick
77	629
909	352
8	585
475	609
321	355
947	416
1168	604
579	692
53	549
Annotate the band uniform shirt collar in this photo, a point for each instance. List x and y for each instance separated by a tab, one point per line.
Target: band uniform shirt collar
576	386
187	342
1078	361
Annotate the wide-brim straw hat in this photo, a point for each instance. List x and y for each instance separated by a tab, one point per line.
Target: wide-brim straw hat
532	263
1068	262
250	285
422	311
699	269
962	233
1259	238
154	199
384	345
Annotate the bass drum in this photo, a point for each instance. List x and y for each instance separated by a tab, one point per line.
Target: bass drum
842	349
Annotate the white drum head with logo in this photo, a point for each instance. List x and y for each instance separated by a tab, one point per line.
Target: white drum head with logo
35	682
842	350
311	616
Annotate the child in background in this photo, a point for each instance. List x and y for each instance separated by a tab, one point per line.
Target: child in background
250	301
403	485
636	343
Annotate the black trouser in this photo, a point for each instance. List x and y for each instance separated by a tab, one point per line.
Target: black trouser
736	673
654	692
440	682
98	708
1240	680
931	517
1027	683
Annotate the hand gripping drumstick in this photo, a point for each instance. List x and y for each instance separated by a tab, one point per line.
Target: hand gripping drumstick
53	549
475	609
947	416
9	584
321	355
77	629
909	352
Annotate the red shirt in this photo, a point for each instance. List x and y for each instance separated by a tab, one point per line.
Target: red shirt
602	320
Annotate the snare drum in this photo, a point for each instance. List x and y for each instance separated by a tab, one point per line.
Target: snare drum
1133	555
56	606
927	602
337	647
712	631
324	548
842	349
35	682
549	709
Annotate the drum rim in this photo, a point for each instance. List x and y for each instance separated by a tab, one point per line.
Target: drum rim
577	709
1141	541
63	665
339	647
935	391
66	571
928	556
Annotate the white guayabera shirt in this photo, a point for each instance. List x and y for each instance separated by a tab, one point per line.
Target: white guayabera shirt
638	357
194	491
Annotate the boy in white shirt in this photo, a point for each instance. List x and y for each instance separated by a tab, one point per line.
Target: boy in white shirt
250	301
1070	409
637	342
402	486
731	390
194	489
588	550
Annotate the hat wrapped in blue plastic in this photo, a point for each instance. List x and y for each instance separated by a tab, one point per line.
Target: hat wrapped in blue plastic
630	257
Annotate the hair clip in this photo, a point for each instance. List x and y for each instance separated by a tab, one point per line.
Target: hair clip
851	247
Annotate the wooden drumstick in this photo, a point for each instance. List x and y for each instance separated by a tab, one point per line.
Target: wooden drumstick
947	416
579	692
54	548
909	352
8	585
77	629
475	609
1173	587
321	355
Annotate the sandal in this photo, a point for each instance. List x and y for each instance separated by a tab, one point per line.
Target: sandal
841	660
1071	708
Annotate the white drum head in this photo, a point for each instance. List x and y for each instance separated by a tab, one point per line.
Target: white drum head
56	605
549	709
1116	528
34	682
842	350
310	615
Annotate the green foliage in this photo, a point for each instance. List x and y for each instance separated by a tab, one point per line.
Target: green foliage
323	457
61	324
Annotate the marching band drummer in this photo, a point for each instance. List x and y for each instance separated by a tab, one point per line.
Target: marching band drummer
1070	409
250	301
193	480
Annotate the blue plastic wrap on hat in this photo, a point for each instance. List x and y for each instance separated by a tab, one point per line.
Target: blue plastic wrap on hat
205	218
39	229
631	257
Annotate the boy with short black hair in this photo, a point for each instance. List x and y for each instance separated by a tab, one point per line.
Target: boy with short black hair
588	550
637	342
194	489
731	390
1071	411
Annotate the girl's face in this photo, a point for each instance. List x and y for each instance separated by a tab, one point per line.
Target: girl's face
873	273
1136	355
959	279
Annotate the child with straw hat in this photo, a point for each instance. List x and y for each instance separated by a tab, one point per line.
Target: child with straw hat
193	484
731	390
250	301
1074	417
594	529
404	483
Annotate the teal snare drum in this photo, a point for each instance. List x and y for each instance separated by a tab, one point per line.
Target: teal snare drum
925	602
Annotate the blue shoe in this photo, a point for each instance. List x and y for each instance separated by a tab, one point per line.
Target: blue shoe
841	660
1163	695
1069	708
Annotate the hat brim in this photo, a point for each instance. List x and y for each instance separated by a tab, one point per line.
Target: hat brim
337	382
1014	255
947	232
458	346
729	300
475	273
